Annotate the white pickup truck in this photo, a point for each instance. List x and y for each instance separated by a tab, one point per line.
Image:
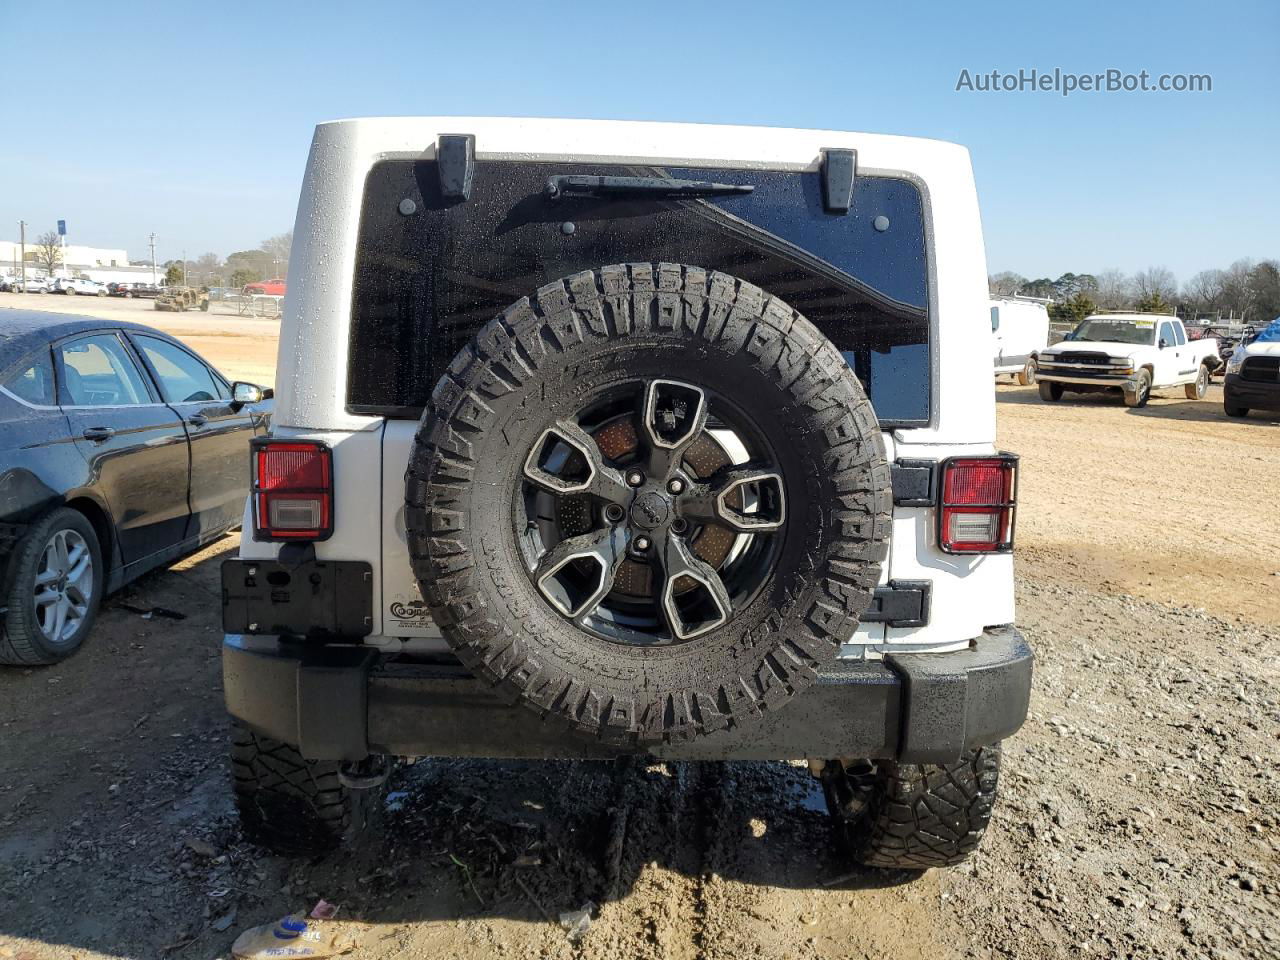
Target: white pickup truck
1131	352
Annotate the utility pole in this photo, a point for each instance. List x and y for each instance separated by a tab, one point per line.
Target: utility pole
22	241
184	268
153	259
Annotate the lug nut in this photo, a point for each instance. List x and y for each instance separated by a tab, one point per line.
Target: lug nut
635	478
679	525
614	513
641	544
676	485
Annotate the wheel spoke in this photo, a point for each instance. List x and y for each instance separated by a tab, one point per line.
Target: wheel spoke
694	598
551	467
60	552
674	416
59	619
570	586
758	507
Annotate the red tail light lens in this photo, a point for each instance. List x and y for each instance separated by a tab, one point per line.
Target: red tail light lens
292	489
978	505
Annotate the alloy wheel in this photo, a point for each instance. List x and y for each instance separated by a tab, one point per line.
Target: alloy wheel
63	589
652	515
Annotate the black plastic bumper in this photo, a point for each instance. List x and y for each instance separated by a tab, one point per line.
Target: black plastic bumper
344	703
1254	394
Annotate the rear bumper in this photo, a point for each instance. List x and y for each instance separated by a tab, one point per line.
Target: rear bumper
344	703
1238	392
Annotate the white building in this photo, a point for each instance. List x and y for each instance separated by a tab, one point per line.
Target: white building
97	263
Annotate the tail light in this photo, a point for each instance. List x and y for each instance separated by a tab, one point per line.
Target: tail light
292	489
978	506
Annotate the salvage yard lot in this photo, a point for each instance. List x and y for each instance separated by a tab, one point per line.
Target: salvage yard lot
1138	815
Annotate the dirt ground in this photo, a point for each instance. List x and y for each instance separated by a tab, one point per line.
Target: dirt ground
1139	813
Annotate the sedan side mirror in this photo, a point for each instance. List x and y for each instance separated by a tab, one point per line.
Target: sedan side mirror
242	392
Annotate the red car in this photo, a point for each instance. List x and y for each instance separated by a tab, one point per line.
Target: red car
266	288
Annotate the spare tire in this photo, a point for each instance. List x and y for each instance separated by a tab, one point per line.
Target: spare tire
650	502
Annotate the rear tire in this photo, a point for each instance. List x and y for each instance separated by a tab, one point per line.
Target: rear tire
1198	389
1050	392
23	637
289	804
1027	376
907	816
1141	393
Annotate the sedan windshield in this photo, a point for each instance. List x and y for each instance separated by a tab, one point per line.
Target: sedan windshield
1116	331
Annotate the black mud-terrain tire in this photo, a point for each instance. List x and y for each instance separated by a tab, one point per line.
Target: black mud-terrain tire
22	643
590	332
906	816
289	804
1141	392
1050	392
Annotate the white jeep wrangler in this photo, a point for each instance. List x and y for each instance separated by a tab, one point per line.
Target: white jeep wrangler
601	438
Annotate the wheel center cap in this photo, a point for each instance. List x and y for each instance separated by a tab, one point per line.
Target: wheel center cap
650	510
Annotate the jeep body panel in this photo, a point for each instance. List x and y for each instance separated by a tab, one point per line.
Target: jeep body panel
968	593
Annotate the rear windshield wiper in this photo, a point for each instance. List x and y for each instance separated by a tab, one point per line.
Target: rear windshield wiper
579	185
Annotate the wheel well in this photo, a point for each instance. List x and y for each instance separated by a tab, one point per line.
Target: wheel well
101	525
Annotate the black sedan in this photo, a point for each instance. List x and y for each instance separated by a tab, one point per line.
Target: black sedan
120	450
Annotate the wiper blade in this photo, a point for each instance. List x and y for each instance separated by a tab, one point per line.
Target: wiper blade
573	186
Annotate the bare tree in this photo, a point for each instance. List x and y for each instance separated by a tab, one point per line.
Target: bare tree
1204	291
1237	291
1113	289
49	251
277	248
1155	282
1005	283
206	268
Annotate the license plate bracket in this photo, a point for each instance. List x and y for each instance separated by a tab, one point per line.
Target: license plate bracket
324	599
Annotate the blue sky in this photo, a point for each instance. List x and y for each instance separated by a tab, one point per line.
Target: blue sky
1083	183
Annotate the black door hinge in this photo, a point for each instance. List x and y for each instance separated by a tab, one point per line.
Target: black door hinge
903	603
915	483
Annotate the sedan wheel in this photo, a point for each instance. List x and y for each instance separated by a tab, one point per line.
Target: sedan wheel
63	588
54	591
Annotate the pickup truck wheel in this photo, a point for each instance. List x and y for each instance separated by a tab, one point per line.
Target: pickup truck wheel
1050	392
290	804
905	816
1141	392
1198	389
1231	410
648	503
53	587
1027	377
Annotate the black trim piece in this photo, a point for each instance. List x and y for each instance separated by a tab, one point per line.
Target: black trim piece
915	482
345	702
839	167
954	701
456	165
903	603
323	599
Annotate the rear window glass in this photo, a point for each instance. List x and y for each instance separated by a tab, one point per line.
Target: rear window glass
426	282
